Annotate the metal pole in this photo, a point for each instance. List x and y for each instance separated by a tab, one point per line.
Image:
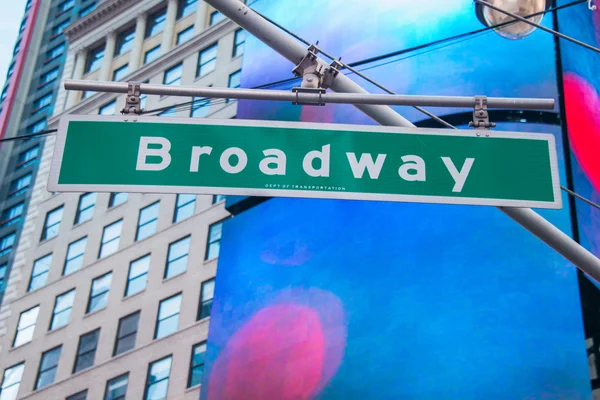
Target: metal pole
294	51
525	20
338	98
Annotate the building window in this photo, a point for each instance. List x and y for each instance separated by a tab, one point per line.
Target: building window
10	71
86	351
120	73
23	25
94	59
110	239
49	76
234	81
48	366
216	17
19	186
126	333
214	240
26	326
157	382
42	104
185	35
117	198
17	47
116	388
186	7
37	127
62	309
99	293
12	215
217	198
200	107
197	364
52	223
74	258
156	22
147	221
6	243
185	206
239	42
11	381
58	29
207	292
39	272
125	41
56	52
138	275
66	5
108	109
78	396
167	320
207	60
27	157
3	269
86	10
173	75
85	208
177	257
152	54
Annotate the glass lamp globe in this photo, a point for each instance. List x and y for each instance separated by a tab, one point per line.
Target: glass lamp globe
522	8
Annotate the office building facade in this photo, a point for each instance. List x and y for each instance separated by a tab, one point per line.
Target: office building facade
26	103
110	293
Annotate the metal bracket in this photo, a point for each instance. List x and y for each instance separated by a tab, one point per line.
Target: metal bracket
481	118
591	5
308	63
132	101
330	73
319	91
314	74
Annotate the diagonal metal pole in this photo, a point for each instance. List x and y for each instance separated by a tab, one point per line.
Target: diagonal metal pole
291	49
525	20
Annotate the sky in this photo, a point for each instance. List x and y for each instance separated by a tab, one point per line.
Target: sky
10	20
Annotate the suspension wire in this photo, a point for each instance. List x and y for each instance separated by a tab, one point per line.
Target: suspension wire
41	133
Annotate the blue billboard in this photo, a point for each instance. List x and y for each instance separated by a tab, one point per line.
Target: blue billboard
323	299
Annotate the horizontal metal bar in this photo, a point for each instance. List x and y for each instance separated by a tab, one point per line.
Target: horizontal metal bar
337	98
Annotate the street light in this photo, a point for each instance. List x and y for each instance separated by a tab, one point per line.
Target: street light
522	8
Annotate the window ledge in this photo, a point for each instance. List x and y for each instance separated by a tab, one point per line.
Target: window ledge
211	260
192	388
174	276
94	312
49	332
133	295
82	223
12	348
44	241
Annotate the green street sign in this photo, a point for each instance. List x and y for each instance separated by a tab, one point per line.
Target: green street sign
285	159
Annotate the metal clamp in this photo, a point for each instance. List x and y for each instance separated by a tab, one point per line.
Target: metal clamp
481	118
319	91
315	74
132	101
330	73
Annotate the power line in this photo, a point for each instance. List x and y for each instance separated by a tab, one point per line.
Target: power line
580	197
41	133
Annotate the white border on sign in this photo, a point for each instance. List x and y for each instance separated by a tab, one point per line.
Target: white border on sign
59	149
